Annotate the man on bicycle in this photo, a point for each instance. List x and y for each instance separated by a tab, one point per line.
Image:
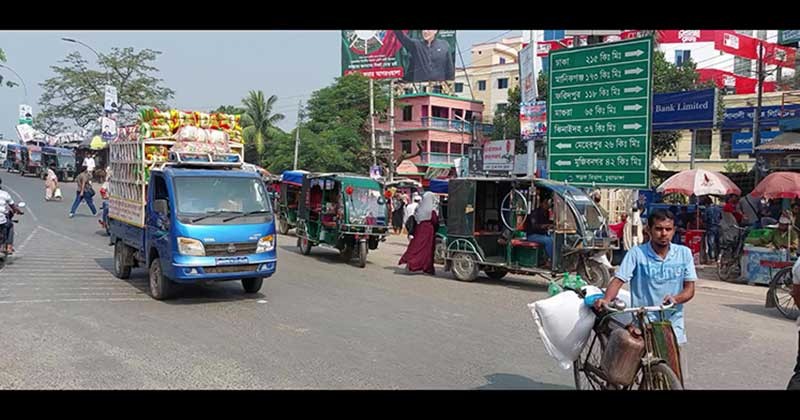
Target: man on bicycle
794	383
659	272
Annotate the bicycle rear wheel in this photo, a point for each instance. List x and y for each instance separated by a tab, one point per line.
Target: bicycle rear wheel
782	293
587	379
660	378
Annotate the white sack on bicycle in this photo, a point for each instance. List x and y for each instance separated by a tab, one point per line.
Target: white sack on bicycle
564	324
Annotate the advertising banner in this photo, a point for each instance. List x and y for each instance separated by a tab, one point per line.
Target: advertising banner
498	155
533	120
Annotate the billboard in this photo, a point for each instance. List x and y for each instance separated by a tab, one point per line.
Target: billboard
410	55
498	156
684	110
528	73
533	120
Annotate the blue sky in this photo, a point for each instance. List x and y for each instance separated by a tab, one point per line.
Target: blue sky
205	68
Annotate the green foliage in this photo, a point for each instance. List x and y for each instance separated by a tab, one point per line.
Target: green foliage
735	167
8	83
257	120
75	95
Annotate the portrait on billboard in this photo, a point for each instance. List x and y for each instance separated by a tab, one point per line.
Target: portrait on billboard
431	57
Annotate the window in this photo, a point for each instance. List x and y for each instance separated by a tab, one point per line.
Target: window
702	145
545	66
436	89
160	191
481	84
438	147
407	112
455	149
741	66
502	60
502	83
682	56
459	87
405	146
551	35
726	145
501	108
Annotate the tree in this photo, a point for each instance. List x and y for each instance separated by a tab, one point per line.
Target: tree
506	119
258	119
9	83
75	95
229	109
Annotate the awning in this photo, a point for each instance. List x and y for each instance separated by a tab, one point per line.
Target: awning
785	141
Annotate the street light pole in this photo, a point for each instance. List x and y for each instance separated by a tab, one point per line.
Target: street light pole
20	79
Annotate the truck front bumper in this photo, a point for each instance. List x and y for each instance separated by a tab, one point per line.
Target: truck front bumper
195	269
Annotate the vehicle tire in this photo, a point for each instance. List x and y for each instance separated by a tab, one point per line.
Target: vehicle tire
283	226
593	273
584	381
362	254
440	251
664	378
22	173
781	286
728	266
496	274
252	285
160	286
465	266
121	269
305	245
346	253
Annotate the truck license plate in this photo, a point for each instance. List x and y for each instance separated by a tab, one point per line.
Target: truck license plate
232	260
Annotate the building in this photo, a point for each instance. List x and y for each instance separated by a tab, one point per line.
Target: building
441	124
493	70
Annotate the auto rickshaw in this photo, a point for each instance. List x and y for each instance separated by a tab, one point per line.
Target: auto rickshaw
14	157
344	212
291	183
63	159
31	161
486	230
439	187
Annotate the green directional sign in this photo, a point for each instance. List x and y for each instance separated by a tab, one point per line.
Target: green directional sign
599	114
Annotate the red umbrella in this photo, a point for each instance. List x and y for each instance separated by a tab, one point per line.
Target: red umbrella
778	185
699	182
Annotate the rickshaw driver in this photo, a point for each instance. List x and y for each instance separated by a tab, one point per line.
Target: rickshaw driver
539	224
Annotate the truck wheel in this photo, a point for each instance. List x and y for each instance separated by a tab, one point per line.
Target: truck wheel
252	285
362	254
160	286
121	269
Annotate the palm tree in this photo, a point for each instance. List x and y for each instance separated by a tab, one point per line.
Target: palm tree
258	119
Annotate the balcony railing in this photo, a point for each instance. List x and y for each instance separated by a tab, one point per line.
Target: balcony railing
433	157
445	124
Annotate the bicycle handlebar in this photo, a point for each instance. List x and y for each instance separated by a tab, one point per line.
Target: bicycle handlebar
640	308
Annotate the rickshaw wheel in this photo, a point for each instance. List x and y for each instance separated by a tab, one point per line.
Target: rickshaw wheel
283	226
465	267
594	273
305	245
346	253
496	274
362	254
440	251
781	295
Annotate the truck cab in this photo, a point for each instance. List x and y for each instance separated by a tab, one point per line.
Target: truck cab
201	224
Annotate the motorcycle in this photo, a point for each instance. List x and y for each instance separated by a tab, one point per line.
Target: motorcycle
5	257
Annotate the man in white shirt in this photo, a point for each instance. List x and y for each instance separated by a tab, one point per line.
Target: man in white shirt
794	383
411	208
7	226
88	163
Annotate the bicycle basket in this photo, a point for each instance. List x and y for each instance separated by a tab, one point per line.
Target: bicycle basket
665	345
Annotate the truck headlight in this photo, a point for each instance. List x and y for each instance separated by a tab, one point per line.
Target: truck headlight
191	247
266	244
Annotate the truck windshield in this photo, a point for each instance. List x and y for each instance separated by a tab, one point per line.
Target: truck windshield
200	196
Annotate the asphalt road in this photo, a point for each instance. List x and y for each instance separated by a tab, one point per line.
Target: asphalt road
68	323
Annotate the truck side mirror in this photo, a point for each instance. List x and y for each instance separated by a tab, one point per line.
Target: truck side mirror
161	207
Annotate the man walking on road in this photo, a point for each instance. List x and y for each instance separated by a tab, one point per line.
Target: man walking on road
659	272
85	193
794	383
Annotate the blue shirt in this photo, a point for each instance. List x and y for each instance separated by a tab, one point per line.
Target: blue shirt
651	278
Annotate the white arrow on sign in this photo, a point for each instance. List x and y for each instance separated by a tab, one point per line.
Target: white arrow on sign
636	70
634	126
563	163
632	107
635	53
635	89
563	146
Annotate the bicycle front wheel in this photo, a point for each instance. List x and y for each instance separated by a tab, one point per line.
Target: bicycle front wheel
584	369
660	378
782	293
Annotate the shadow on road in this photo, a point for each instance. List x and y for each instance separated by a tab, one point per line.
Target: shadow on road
531	284
511	381
759	310
323	255
188	294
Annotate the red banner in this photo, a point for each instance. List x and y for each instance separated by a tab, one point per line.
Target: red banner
685	36
544	47
736	44
741	84
779	55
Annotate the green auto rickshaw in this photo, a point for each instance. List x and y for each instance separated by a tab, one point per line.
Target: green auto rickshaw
291	183
342	211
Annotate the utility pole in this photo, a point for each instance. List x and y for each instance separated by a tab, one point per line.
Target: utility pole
391	130
372	119
759	94
297	133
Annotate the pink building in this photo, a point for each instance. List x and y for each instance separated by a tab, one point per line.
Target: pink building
444	125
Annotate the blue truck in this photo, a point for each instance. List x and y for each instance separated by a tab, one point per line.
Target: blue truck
190	218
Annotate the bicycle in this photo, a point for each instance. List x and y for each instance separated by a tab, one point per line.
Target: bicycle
653	372
728	268
779	294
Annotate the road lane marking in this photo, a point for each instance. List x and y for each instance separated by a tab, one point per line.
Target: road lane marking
105	251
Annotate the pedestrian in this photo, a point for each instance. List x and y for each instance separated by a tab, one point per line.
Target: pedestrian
419	254
85	192
658	272
409	210
7	210
398	210
89	164
794	383
712	217
51	183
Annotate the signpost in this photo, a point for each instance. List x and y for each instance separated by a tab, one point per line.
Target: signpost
599	114
789	37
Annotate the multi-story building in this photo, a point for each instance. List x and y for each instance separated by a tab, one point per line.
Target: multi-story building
443	125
